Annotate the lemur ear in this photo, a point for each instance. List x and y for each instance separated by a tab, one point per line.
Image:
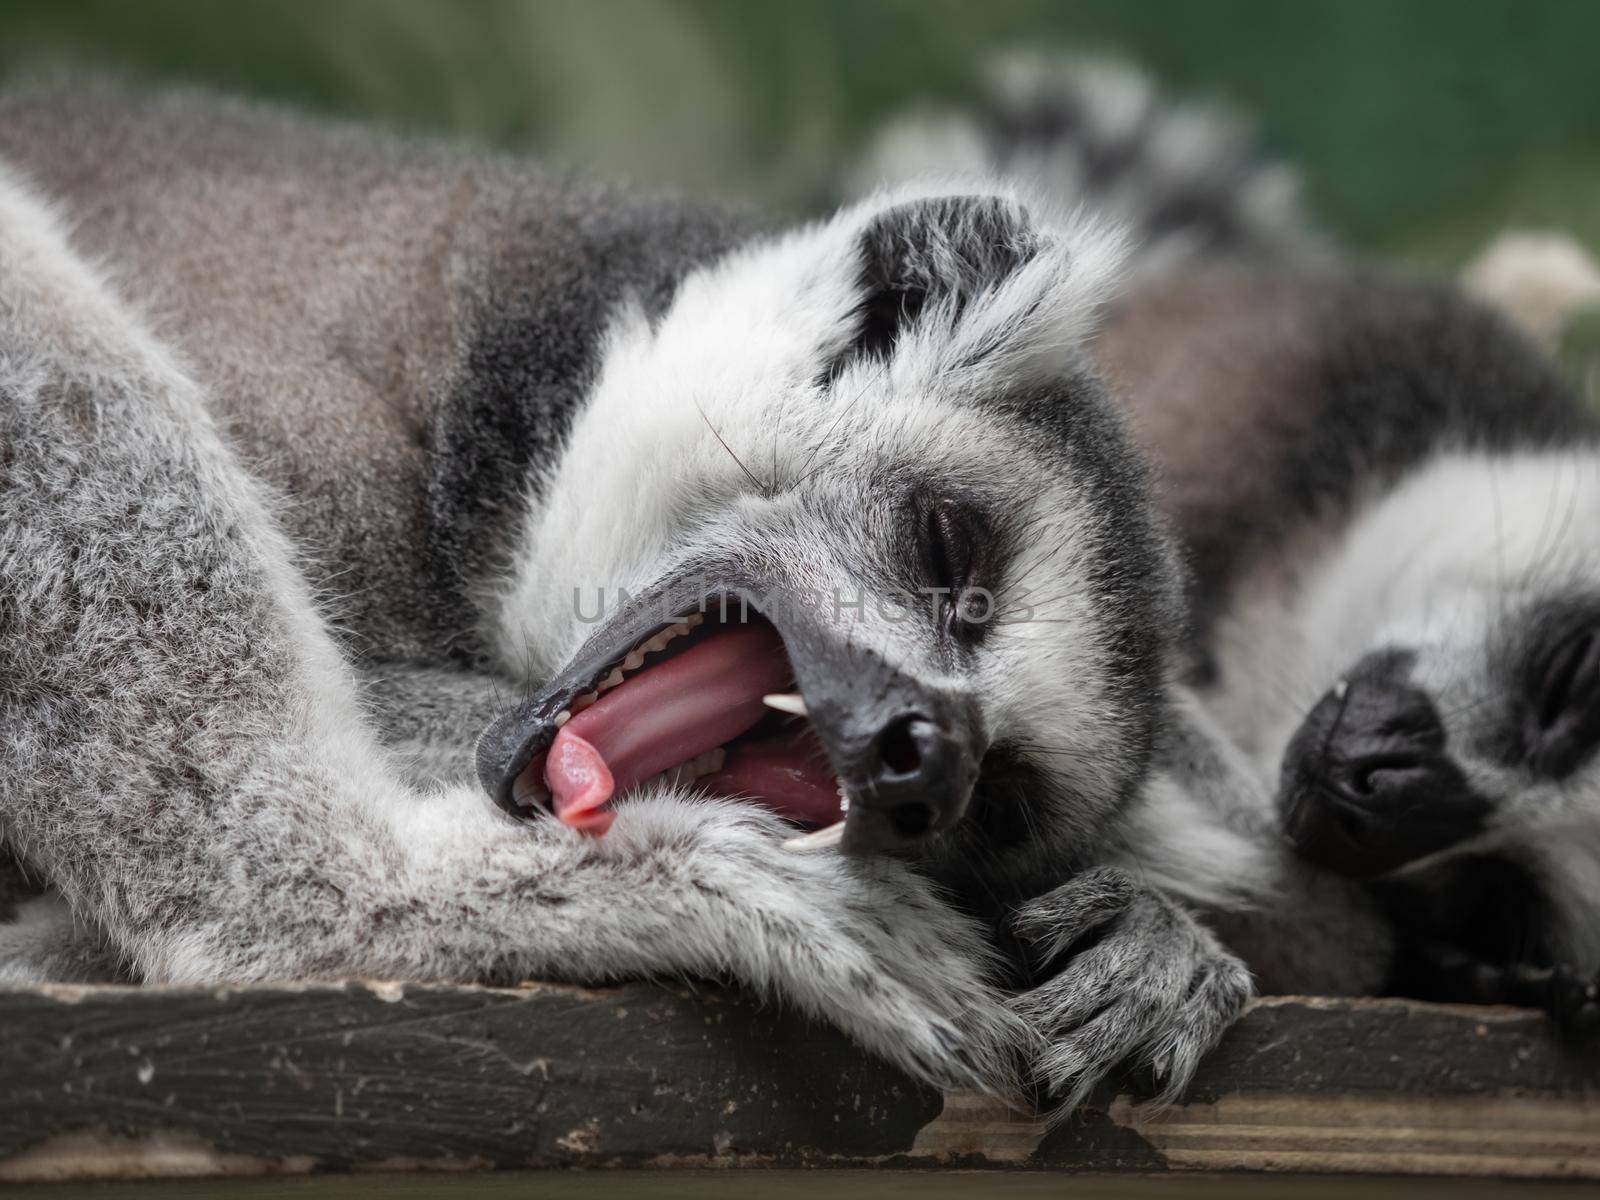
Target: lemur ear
930	251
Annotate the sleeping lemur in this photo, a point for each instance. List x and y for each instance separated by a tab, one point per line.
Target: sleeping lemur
1388	503
312	439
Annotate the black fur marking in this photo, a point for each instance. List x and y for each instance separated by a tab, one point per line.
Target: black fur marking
532	357
1549	659
945	249
1368	782
1390	372
1129	567
1201	203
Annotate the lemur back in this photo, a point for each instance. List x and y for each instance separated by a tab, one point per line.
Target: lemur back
394	332
1278	403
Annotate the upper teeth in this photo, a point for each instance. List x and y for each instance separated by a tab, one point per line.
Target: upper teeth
632	662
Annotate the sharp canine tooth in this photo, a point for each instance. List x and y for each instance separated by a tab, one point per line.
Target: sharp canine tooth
792	703
817	839
563	717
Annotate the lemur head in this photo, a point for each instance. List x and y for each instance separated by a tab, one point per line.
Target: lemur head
1458	632
864	471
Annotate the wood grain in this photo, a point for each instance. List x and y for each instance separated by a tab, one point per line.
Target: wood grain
100	1082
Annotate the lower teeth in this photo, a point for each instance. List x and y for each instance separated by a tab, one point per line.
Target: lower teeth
685	773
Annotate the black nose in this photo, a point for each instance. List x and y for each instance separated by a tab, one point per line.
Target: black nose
1368	783
911	777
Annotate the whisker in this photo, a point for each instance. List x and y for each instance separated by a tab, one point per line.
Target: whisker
765	489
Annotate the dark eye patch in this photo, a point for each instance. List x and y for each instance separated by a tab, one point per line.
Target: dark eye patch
959	561
1560	686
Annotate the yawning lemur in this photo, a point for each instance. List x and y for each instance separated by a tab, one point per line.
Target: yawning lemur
285	406
1388	503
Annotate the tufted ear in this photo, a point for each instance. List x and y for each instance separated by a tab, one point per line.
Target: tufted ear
939	250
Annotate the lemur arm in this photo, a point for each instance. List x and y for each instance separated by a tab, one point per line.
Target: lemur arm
1209	835
186	760
1124	971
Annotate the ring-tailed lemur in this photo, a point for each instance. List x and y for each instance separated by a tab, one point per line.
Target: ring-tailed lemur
405	412
1387	501
1391	503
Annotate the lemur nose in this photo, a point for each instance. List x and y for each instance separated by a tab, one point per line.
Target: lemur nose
914	779
1386	741
1368	782
911	750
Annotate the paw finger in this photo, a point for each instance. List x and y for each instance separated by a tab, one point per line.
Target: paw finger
1078	1061
1218	995
1054	921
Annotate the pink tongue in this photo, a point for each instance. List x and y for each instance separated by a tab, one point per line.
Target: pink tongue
663	716
588	784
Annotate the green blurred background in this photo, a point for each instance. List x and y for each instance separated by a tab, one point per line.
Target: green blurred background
1422	127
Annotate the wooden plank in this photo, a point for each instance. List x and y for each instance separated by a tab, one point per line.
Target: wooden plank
102	1082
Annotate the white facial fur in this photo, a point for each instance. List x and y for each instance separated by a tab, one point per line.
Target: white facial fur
714	429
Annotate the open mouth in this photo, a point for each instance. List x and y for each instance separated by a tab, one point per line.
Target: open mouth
707	702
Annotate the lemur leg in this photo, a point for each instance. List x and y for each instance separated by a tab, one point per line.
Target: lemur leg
1211	837
183	754
45	942
1130	974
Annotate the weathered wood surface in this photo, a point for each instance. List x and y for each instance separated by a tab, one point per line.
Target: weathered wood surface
103	1081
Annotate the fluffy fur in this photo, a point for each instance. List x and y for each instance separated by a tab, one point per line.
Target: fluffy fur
1186	176
1357	464
446	389
1362	464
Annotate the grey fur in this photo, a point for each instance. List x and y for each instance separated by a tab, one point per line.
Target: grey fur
382	370
1297	407
433	310
1151	988
185	760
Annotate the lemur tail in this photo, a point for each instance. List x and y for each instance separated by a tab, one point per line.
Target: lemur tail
1185	178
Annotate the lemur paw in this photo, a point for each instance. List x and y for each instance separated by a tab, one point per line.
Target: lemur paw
1575	1002
1134	980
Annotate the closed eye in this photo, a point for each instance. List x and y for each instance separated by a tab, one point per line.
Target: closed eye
959	556
1565	725
949	555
